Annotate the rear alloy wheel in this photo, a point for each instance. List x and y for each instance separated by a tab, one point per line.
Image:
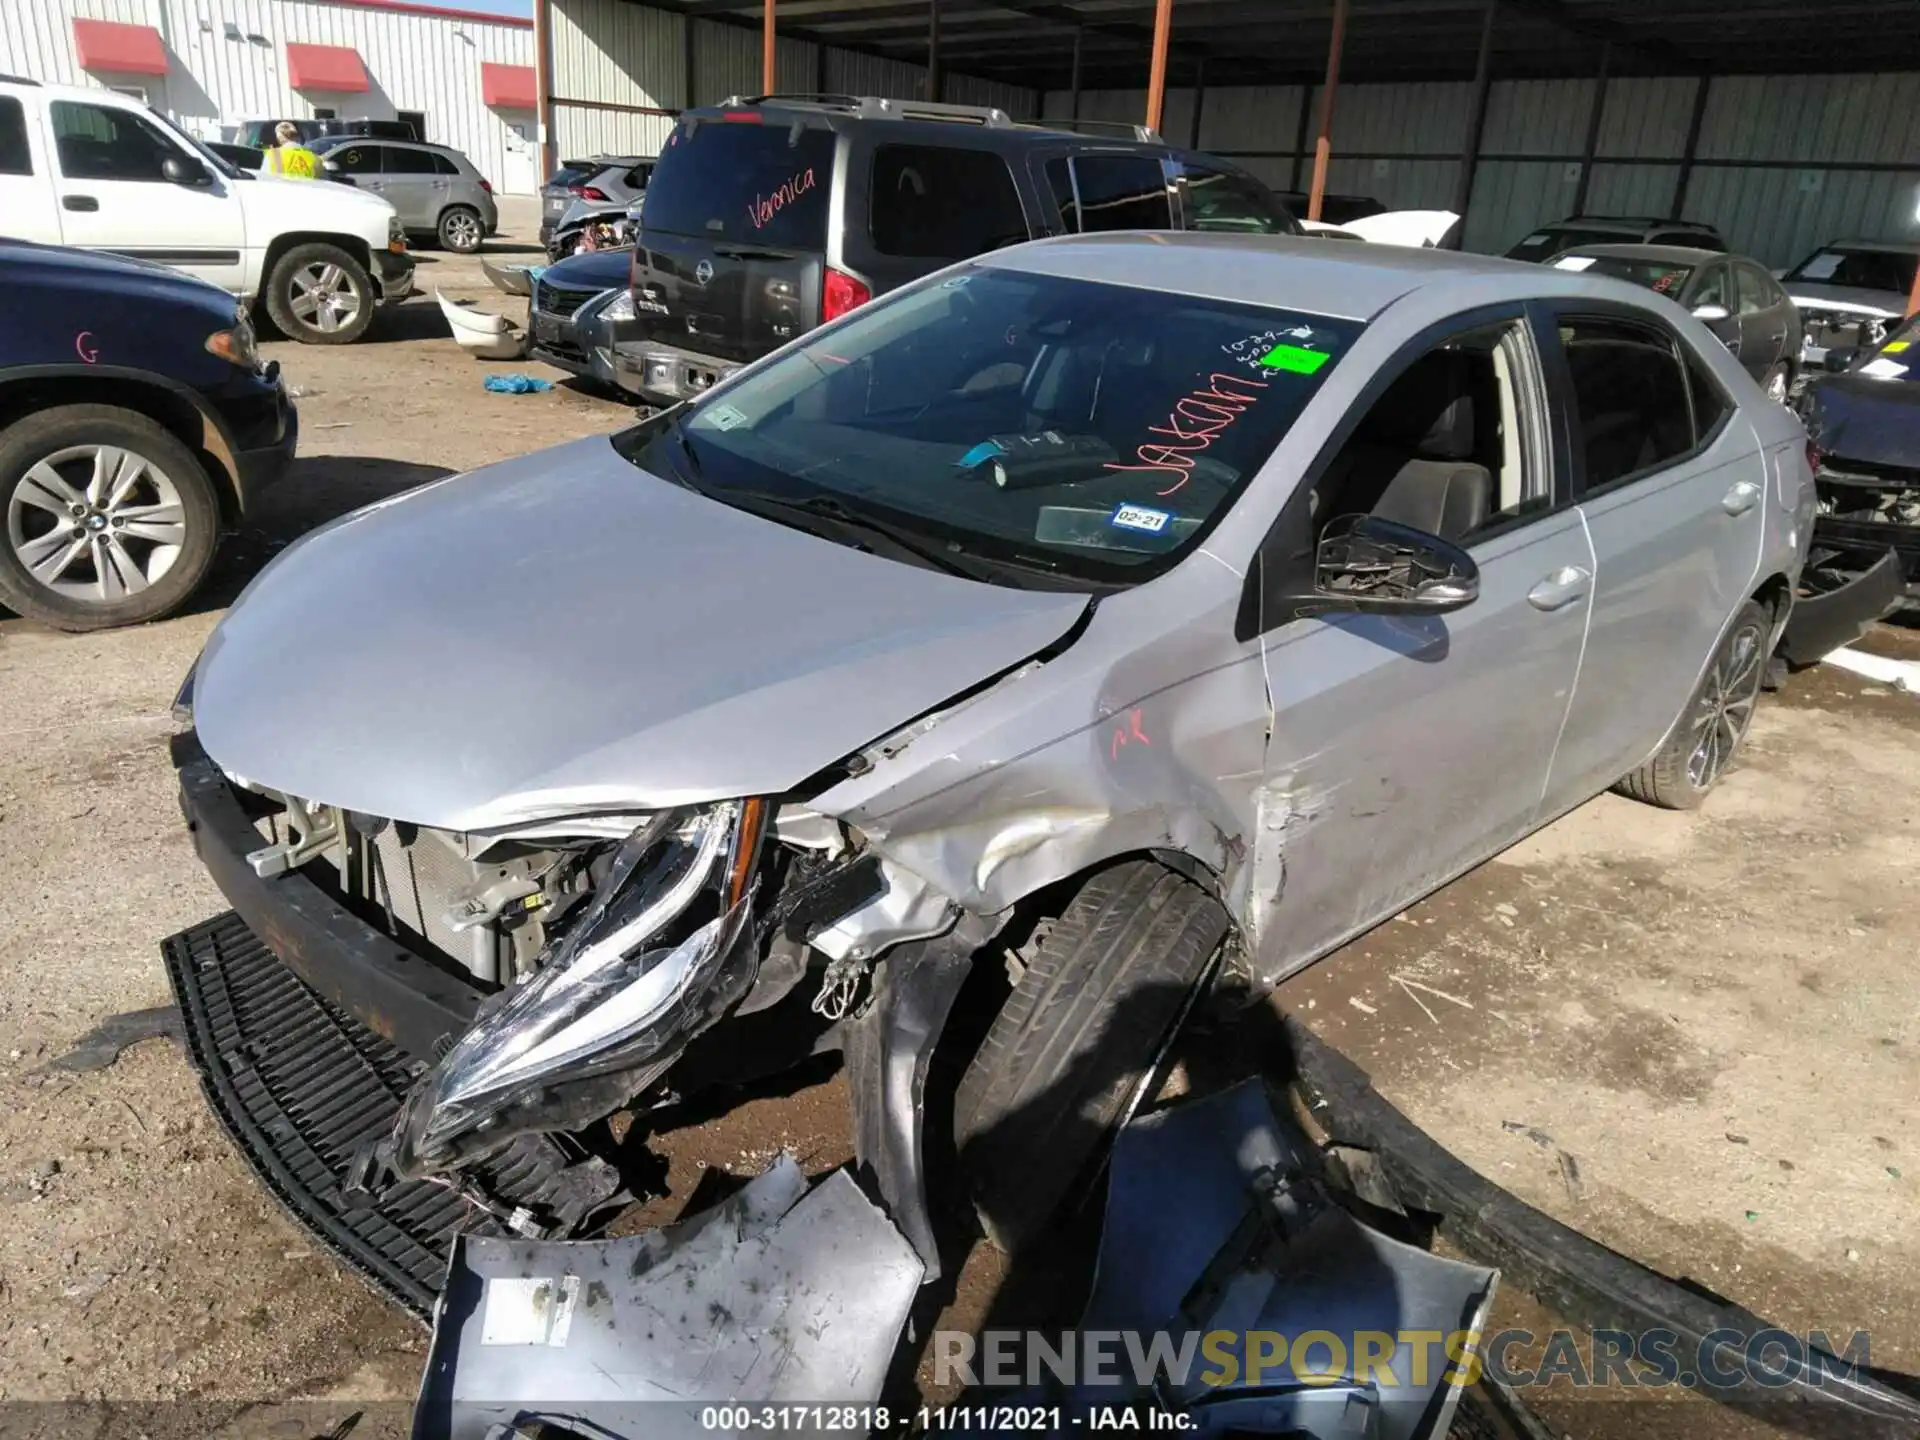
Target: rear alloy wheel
1702	745
110	520
318	294
460	230
1776	384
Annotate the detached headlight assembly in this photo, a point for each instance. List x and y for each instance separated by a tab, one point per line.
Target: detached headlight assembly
654	960
619	308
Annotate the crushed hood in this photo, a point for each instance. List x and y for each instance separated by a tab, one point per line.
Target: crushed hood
566	633
1811	295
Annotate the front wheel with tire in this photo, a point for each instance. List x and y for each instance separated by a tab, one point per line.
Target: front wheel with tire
1702	745
319	294
460	230
1070	1052
110	519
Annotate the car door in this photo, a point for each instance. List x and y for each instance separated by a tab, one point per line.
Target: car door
1766	318
357	165
1672	483
115	195
415	187
1405	749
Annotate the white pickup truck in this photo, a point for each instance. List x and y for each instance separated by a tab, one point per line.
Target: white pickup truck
95	169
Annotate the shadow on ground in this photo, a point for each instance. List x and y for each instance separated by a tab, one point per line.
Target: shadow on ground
317	488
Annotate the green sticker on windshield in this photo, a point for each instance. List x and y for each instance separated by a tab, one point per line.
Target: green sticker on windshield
1295	358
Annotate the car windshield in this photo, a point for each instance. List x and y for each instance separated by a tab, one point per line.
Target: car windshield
744	181
1077	430
1663	277
1887	270
1544	243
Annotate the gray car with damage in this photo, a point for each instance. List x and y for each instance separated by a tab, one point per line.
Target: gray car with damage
1089	621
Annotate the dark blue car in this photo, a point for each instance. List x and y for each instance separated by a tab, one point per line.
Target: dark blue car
136	420
580	308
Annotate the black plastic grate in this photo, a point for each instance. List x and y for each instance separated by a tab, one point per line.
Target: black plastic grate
300	1086
552	300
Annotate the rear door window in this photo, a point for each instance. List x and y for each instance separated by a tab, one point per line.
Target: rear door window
1631	397
745	182
1119	192
938	202
402	161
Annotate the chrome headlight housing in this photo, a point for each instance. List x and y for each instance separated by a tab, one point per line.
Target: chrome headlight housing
655	959
619	308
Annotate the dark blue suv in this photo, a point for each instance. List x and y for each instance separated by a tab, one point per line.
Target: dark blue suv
136	420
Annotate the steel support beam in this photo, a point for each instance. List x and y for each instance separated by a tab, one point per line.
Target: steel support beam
688	68
933	50
1692	147
1157	64
1594	117
1073	107
1199	100
768	81
1476	122
1323	142
543	88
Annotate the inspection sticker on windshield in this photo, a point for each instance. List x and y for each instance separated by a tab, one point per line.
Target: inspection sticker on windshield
1141	517
1895	347
1296	359
726	417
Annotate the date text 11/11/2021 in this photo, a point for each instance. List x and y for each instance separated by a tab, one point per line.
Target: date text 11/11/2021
936	1419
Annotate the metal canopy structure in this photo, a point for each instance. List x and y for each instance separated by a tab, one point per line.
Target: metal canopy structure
1035	42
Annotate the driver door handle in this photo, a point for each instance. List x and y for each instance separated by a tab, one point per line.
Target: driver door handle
1561	588
1741	498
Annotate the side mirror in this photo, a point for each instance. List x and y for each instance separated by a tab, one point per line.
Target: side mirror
1368	566
1711	313
1840	358
178	170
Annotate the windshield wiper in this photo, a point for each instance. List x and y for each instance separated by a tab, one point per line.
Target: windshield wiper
827	507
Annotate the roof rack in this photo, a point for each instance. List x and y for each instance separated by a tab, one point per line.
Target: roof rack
1121	128
869	107
19	80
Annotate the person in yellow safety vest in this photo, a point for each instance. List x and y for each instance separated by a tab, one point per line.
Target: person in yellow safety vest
289	157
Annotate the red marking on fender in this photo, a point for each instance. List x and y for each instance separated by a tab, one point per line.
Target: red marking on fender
1205	414
1130	733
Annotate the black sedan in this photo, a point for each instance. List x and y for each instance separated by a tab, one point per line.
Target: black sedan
1731	295
580	307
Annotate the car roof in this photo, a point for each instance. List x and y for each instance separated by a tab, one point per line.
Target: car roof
1659	254
1350	282
921	121
340	142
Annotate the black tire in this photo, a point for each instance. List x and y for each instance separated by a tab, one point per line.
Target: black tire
45	434
1681	774
295	266
460	229
1074	1042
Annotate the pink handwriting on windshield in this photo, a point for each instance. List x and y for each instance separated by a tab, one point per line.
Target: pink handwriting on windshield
1195	420
761	212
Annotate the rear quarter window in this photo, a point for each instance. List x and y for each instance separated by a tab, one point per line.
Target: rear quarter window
749	183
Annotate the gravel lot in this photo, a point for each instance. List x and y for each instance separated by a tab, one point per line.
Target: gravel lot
1714	1013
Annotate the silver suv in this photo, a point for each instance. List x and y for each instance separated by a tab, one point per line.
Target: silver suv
1090	619
435	190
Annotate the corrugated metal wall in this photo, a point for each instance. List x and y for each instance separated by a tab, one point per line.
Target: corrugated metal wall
614	51
1783	162
427	63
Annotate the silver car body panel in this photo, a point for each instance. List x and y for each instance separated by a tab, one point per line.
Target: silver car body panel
561	631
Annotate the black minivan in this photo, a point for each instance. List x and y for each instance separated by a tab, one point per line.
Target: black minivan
766	217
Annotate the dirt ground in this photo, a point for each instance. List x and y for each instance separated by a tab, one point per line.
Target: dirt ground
1714	1015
